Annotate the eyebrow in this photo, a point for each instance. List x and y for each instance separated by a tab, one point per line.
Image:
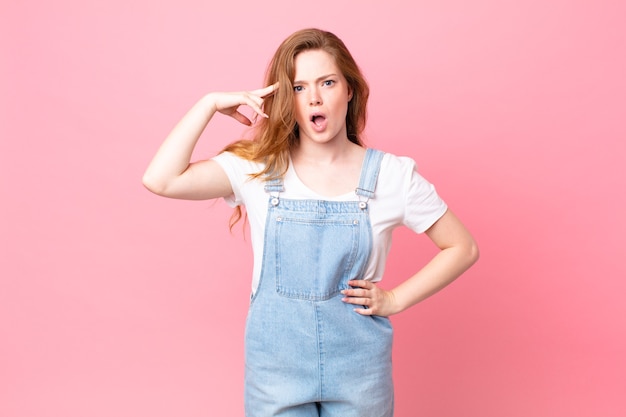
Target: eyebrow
317	79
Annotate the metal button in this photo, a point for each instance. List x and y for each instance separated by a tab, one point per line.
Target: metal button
274	201
362	205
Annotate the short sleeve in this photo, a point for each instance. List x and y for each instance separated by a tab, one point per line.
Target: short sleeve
423	205
238	171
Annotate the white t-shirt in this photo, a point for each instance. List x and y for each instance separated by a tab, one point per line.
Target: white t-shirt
402	197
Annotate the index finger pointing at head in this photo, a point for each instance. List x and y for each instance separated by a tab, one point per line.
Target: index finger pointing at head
262	92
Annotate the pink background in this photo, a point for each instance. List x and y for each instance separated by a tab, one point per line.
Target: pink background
115	302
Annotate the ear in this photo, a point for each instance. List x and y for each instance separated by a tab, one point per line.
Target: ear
349	93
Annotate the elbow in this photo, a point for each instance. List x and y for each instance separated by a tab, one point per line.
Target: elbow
472	253
153	185
475	253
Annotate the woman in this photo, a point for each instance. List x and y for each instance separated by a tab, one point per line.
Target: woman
318	337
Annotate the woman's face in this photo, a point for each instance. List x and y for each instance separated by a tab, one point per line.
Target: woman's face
321	95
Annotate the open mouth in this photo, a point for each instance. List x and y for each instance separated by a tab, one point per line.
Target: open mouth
318	120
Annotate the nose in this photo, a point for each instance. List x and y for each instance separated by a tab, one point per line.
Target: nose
314	98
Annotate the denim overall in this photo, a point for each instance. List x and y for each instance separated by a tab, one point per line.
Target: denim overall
307	352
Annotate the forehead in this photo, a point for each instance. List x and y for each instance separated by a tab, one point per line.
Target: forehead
312	64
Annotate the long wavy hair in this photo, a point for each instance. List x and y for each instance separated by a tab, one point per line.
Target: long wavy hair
275	136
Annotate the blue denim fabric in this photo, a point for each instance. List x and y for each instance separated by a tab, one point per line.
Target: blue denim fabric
307	352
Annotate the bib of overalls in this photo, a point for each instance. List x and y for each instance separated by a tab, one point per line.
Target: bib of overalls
308	353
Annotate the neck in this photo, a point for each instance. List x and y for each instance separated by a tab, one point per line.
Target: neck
322	153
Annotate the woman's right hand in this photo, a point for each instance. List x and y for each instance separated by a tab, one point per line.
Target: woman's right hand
171	174
229	103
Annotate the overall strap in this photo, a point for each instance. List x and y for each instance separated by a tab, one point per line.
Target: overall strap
369	173
274	186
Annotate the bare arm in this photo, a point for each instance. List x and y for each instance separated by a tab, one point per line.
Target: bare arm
458	252
172	174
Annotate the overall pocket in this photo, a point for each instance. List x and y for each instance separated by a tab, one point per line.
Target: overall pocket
314	257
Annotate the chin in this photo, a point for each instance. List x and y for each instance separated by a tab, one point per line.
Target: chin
320	140
322	137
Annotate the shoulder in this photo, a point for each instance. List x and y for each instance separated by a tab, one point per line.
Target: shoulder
238	169
395	168
399	176
398	162
230	160
246	189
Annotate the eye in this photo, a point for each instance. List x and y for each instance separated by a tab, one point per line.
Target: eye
297	88
328	83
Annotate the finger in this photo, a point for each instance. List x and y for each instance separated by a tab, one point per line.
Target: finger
363	301
252	96
255	103
361	283
364	311
266	91
241	118
260	111
355	292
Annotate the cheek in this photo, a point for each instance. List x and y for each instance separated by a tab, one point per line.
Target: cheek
341	104
300	107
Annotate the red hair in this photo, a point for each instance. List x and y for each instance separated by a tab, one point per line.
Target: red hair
274	137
